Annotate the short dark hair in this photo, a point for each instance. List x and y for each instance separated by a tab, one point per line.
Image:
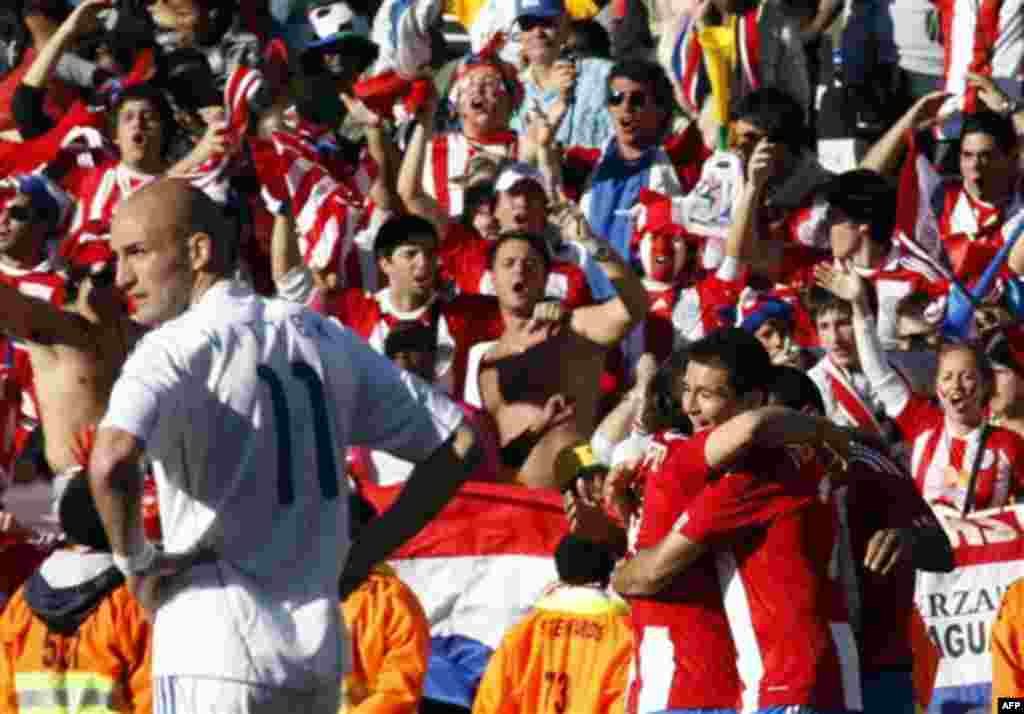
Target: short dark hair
580	561
149	92
536	242
999	127
594	40
740	353
647	72
819	301
774	112
865	196
78	516
474	197
792	388
400	230
410	336
662	393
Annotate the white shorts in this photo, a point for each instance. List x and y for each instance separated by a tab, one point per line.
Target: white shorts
208	695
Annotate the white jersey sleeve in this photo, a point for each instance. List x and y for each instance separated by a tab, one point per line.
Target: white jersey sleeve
145	388
398	412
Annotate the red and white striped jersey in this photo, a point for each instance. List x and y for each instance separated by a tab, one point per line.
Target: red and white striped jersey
941	463
684	657
655	334
460	323
103	188
941	222
448	155
773	534
985	37
848	398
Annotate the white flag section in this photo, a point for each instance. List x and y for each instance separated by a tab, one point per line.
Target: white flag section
959	607
477	568
481	564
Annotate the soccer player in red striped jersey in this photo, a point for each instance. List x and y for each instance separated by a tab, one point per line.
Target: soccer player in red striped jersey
756	523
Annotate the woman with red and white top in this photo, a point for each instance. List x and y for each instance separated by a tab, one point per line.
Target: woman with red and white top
958	459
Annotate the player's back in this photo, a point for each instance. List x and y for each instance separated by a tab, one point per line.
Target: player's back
248	463
246	406
774	537
245	451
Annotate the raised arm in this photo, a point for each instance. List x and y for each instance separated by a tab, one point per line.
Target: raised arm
38	321
410	174
383	190
293	279
844	282
606	324
616	425
80	22
884	156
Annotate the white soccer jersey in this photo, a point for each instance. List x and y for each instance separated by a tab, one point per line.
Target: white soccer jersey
246	407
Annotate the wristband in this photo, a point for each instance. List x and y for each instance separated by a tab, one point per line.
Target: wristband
137	563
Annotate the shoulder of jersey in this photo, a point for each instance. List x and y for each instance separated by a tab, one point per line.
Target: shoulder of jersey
875	460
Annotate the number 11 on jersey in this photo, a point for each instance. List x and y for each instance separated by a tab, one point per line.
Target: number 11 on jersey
327	467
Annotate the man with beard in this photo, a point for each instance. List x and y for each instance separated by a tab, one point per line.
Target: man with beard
544	372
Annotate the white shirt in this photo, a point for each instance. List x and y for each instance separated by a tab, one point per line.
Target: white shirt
220	396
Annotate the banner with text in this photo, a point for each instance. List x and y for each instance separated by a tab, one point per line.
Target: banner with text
958	607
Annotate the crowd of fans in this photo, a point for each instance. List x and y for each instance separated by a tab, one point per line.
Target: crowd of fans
541	226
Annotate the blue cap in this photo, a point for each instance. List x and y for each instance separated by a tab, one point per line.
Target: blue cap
765	310
43	196
539	8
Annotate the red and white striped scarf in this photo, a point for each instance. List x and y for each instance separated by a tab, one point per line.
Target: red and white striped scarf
328	212
849	401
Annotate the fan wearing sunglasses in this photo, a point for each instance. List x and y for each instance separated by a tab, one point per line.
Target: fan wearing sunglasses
639	104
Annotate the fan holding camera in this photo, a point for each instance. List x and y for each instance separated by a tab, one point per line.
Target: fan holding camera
555	77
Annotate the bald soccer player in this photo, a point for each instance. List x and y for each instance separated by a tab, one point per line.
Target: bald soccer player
245	407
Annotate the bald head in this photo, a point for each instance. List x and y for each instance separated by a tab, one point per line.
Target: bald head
175	205
172	242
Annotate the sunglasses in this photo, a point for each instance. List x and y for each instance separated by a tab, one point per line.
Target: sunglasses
21	214
530	22
635	100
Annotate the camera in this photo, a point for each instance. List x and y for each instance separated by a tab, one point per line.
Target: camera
567	54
